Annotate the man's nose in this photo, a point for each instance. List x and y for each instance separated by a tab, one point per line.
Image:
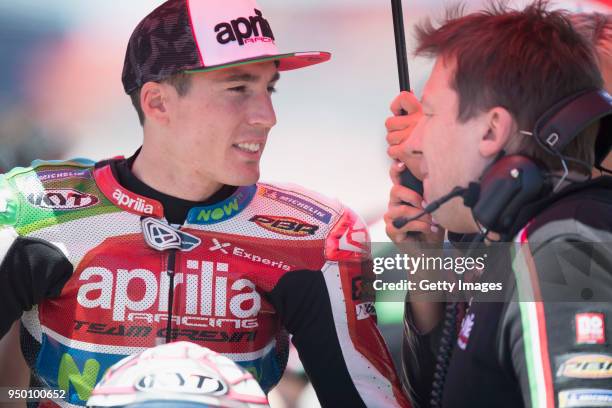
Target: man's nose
262	112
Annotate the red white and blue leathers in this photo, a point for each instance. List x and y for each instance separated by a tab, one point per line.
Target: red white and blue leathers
100	275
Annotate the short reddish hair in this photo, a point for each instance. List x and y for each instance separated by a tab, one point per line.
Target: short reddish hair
524	61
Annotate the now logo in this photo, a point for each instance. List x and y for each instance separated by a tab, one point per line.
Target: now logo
207	215
137	290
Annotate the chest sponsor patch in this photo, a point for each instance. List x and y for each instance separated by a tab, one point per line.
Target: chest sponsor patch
585	397
285	225
228	249
62	199
590	366
299	204
223	210
51	175
590	328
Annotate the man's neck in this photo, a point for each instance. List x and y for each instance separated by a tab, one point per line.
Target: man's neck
172	177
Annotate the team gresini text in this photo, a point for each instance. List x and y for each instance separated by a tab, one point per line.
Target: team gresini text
109	291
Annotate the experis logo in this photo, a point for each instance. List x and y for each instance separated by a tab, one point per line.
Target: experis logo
210	299
245	30
134	203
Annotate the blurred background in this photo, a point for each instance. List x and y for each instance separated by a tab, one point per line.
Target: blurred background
61	94
61	97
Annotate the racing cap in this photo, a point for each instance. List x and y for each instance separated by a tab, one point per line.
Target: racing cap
204	35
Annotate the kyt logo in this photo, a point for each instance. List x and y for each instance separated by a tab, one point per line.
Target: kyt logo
285	225
177	380
62	199
245	30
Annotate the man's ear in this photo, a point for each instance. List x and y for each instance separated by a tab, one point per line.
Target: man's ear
501	127
153	101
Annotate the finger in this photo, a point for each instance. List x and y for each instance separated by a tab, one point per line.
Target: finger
398	152
395	170
406	211
393	123
406	101
411	163
418	225
407	221
398	136
402	195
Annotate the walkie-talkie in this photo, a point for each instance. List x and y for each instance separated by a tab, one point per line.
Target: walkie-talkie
407	178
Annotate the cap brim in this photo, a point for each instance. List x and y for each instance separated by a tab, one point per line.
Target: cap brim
287	62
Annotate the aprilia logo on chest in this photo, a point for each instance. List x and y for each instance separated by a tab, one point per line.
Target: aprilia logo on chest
245	30
210	300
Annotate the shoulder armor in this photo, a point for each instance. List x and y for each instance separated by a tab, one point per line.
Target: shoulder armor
46	192
349	239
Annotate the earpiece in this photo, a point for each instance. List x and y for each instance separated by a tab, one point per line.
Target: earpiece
505	187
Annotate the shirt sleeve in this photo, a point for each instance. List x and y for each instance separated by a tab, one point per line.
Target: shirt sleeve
556	339
331	315
30	269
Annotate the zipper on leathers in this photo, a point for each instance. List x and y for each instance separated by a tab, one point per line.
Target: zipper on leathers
170	271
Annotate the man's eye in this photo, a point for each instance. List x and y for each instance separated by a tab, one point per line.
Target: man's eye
271	89
239	89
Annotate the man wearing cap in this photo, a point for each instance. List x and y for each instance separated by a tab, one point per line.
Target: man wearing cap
179	241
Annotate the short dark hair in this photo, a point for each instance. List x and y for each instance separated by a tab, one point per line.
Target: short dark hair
524	61
181	82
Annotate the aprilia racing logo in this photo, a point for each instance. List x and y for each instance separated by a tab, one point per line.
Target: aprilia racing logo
245	30
209	300
62	199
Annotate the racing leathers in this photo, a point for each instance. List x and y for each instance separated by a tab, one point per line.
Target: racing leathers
96	273
548	345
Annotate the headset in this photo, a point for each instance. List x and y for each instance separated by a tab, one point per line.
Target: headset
514	181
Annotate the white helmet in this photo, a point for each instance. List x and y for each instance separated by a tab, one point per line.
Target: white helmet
180	374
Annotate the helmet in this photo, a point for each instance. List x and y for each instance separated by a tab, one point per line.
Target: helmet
180	374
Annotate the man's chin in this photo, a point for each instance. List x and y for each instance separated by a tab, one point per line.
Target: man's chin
246	179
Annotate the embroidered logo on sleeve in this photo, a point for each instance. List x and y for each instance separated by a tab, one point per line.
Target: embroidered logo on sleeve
590	328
